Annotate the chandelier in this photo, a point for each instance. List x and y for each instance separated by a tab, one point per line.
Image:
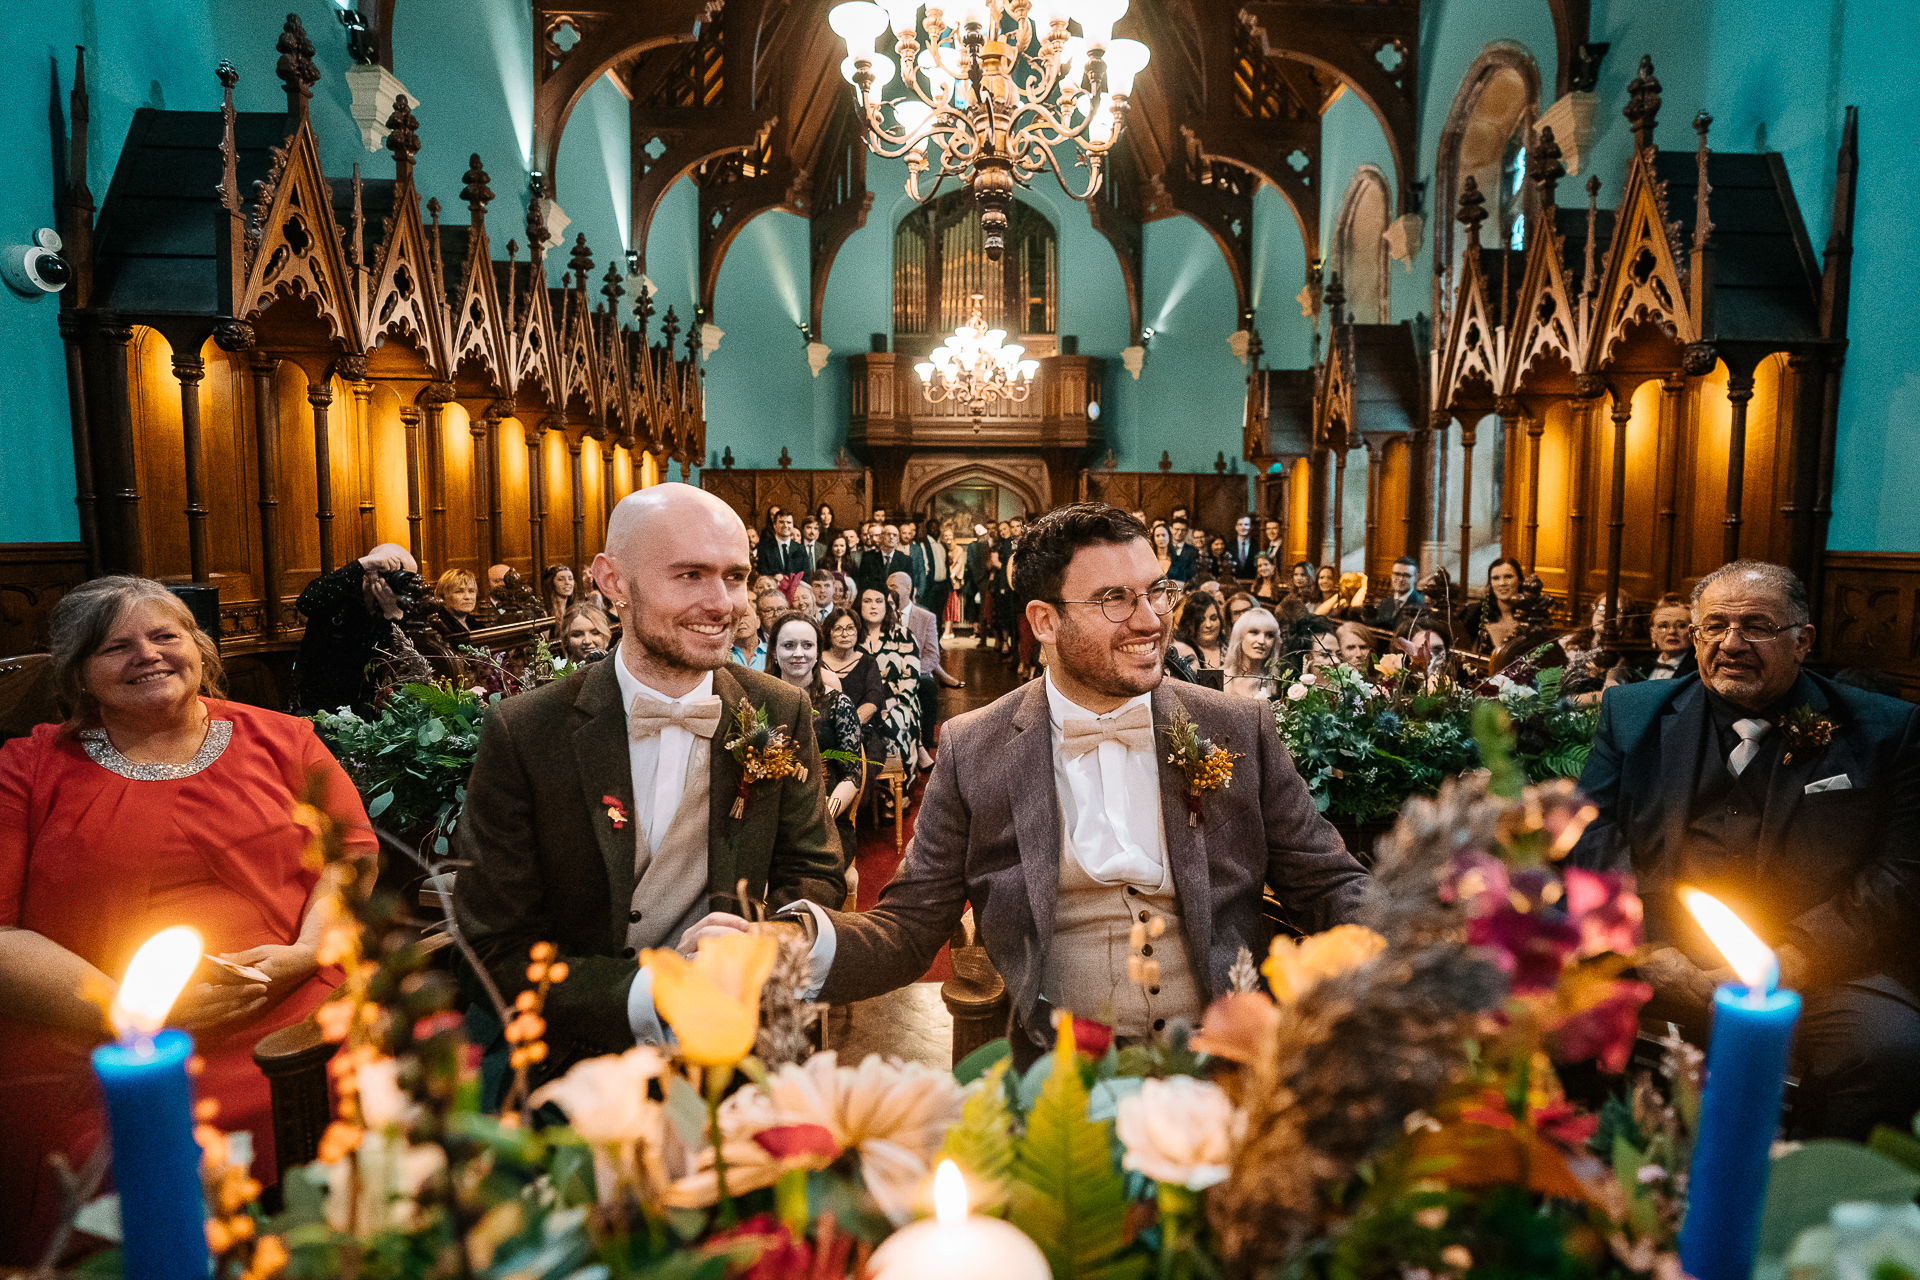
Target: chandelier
998	86
976	367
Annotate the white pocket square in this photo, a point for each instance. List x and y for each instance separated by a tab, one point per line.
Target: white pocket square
1838	782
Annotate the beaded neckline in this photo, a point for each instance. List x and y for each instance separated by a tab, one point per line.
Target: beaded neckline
101	751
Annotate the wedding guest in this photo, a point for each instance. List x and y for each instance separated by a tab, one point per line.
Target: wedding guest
1306	579
1318	644
894	652
749	648
1672	630
826	590
156	803
1183	556
350	616
837	559
1218	560
497	578
753	545
1356	646
588	808
795	658
882	563
1422	643
1198	632
556	593
768	605
1266	586
585	634
1237	604
1327	581
1796	802
1271	542
1241	551
782	554
1249	649
947	567
853	671
810	543
925	630
1162	538
1401	597
1110	838
825	515
801	599
1490	621
456	595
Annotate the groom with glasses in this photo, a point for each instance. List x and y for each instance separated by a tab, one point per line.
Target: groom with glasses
1796	802
1057	815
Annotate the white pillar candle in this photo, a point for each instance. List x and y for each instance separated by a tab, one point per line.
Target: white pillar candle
955	1245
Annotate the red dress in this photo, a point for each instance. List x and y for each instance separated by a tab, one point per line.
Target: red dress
98	862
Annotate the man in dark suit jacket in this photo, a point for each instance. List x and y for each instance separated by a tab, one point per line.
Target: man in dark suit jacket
1241	549
782	553
1182	555
1796	802
1403	600
560	827
877	566
1054	913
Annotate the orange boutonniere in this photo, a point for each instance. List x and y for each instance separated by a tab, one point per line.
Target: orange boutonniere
616	812
764	752
1207	767
1804	729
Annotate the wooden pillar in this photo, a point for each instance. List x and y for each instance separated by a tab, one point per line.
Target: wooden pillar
437	395
122	490
1617	513
1512	418
481	430
1536	428
1739	392
607	499
1419	488
1836	358
536	502
1466	500
1673	389
73	334
1808	386
1442	460
363	440
1316	548
1339	506
1376	456
266	438
579	503
410	420
189	369
319	396
1591	388
496	526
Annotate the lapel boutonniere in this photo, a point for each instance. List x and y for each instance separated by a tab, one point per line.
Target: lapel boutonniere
1207	767
616	812
1804	729
763	752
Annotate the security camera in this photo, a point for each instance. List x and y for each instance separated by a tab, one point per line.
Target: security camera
34	269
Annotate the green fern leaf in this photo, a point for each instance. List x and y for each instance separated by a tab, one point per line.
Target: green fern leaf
982	1143
1067	1193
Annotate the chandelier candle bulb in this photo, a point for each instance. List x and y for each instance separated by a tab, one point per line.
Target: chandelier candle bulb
1740	1104
955	1245
156	1162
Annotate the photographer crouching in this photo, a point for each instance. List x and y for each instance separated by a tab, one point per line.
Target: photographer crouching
351	615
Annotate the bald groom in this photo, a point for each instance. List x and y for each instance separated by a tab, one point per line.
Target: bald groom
597	814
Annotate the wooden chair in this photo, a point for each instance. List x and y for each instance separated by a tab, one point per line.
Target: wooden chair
26	696
975	995
294	1060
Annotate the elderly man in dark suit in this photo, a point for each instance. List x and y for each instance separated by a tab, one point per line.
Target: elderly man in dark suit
1055	813
598	812
1794	800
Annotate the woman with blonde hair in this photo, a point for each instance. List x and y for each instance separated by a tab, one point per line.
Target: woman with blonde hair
157	803
584	632
1249	650
457	593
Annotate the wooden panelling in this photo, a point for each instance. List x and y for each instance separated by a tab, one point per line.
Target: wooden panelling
1214	501
1870	615
33	577
751	492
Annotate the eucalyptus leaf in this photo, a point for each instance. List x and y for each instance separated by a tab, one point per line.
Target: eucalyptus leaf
1804	1184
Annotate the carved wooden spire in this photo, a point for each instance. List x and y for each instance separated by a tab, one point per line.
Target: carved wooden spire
580	262
612	290
476	192
1546	169
1336	300
439	268
1473	212
1643	104
296	69
537	234
642	308
401	138
78	116
1591	281
229	158
1702	222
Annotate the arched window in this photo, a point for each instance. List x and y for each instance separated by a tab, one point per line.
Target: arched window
1360	247
1485	138
940	262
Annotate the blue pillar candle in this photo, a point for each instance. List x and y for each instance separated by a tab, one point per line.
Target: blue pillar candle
156	1162
1740	1105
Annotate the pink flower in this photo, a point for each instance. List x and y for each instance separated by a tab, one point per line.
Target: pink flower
1530	946
786	1140
1606	910
1478	879
1604	1031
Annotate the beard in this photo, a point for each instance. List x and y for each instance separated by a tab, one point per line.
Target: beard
667	645
1091	660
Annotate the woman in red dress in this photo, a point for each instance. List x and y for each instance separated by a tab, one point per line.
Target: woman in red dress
154	805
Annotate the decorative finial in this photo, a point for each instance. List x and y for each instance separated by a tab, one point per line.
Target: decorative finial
476	192
1336	299
401	138
296	69
612	290
228	75
1473	210
1702	222
1643	104
1546	169
670	327
642	308
581	262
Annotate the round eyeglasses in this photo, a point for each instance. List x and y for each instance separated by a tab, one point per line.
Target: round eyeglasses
1118	603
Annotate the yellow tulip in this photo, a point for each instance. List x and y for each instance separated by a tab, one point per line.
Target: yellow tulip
1293	966
713	1004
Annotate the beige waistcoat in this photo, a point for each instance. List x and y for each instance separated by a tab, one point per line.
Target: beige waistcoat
670	882
1085	971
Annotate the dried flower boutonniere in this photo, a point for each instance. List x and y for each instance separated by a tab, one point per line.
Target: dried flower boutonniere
763	751
1804	729
616	812
1207	767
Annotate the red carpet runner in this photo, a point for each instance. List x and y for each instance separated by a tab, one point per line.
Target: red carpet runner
877	861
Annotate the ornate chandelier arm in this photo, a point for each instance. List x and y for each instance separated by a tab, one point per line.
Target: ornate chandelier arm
1094	178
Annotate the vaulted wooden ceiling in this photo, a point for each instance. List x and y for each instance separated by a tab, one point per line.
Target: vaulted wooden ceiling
746	96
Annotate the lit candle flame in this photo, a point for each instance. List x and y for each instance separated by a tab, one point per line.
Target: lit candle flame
1750	957
949	1195
155	977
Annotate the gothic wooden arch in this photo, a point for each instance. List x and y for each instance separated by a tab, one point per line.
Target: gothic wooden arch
1367	178
926	474
1500	56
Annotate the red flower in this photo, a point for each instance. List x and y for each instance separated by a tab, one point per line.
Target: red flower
1560	1121
1091	1038
1606	910
1604	1031
786	1140
616	812
781	1257
435	1023
1530	946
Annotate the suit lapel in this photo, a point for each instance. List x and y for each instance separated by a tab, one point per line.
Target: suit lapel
1036	809
1186	843
724	777
1791	777
600	757
1676	767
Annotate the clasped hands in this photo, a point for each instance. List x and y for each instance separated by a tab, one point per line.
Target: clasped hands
1673	975
721	924
216	996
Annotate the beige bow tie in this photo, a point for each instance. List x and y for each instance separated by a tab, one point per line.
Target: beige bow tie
1132	729
648	716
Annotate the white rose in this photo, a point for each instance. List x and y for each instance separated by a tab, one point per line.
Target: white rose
1179	1130
392	1176
606	1098
381	1101
1295	692
1310	678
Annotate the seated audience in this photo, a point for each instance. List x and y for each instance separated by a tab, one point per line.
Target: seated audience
1250	649
795	658
1198	633
852	670
156	803
1671	628
1356	646
585	634
455	596
350	616
1796	802
1266	586
1402	598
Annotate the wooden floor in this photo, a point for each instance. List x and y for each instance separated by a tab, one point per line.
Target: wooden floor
912	1024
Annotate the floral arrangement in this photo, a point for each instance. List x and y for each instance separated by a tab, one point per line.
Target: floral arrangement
410	761
1206	765
764	752
1804	729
